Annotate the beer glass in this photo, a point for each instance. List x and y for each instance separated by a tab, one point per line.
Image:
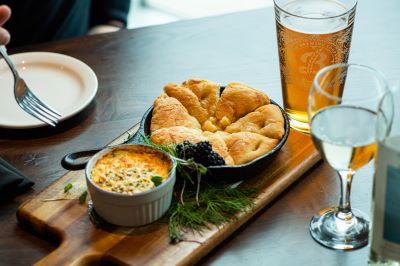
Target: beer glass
311	34
345	126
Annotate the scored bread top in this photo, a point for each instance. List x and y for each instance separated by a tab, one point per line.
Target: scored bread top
169	112
237	100
240	124
198	96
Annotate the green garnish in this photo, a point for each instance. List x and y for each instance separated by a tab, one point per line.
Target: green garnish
215	205
67	187
82	197
157	180
198	204
195	204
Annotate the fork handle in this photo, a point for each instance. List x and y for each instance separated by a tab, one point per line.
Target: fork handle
3	52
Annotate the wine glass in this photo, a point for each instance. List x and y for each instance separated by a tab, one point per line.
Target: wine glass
344	110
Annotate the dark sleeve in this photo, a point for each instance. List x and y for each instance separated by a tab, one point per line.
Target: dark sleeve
32	22
103	11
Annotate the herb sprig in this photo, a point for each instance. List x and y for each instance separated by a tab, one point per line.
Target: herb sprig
216	205
67	187
199	204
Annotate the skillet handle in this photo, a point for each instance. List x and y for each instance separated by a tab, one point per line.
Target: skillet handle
78	160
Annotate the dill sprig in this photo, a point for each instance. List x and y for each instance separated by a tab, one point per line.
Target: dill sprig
199	204
216	205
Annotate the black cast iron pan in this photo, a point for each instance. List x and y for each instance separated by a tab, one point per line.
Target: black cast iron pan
77	160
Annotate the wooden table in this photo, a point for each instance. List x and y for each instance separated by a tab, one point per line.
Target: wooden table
132	67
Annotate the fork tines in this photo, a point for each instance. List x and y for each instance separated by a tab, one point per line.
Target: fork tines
34	106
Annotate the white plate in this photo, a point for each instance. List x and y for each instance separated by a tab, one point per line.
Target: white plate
65	83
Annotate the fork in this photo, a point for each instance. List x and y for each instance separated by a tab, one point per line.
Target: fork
26	99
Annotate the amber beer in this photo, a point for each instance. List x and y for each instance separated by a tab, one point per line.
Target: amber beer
311	35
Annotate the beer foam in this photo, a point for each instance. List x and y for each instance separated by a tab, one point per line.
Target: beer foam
315	16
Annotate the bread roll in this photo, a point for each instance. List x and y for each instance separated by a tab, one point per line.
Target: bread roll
169	112
237	100
266	120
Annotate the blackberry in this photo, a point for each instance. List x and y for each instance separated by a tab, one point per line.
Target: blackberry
201	152
182	147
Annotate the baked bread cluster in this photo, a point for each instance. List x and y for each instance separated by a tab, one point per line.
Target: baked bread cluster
240	123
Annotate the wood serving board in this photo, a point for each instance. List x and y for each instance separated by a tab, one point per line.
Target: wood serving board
81	243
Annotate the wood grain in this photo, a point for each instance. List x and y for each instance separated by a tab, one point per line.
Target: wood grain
81	242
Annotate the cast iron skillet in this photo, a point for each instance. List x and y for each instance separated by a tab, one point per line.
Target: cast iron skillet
78	160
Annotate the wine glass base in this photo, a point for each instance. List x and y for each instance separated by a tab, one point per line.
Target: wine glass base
336	233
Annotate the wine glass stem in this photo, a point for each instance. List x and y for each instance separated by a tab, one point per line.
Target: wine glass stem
344	210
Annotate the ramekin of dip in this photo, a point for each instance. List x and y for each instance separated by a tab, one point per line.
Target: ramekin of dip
131	184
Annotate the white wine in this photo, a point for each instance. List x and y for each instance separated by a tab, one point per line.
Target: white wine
344	136
385	235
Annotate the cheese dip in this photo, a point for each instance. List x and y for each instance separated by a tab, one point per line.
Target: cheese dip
130	171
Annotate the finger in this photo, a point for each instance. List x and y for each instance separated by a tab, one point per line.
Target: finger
5	13
4	36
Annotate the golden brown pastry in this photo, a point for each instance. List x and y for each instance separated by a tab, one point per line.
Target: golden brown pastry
211	125
207	93
236	101
246	146
241	124
169	112
219	146
175	135
198	96
266	120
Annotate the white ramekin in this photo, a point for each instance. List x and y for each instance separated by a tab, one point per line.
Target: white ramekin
131	210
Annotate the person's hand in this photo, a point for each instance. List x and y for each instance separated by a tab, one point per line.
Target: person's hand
100	29
5	13
113	25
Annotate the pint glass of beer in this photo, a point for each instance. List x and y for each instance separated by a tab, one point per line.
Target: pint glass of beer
311	34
